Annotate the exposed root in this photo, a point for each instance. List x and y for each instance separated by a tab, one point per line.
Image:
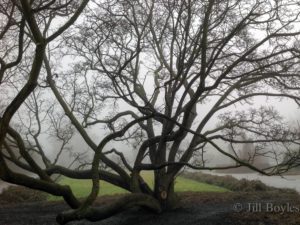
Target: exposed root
100	213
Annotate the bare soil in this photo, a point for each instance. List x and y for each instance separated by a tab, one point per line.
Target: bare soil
195	209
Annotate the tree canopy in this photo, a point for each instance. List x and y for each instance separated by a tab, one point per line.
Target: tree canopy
174	81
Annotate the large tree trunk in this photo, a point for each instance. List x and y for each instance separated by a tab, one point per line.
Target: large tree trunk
164	191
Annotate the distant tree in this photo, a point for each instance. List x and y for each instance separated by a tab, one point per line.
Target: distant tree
146	71
290	161
256	155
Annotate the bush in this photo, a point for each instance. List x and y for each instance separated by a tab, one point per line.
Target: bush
17	194
232	183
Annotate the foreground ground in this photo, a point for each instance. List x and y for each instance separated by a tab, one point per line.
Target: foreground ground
196	209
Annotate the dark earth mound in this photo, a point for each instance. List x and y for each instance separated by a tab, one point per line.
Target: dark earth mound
195	209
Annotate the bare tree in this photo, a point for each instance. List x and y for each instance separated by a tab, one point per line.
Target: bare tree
155	75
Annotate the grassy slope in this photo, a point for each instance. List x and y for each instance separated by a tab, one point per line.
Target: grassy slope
81	188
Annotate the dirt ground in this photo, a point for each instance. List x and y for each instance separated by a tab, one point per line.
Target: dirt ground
195	209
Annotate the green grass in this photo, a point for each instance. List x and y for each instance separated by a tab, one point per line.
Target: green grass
184	184
82	188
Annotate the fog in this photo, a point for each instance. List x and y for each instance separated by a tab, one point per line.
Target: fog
287	108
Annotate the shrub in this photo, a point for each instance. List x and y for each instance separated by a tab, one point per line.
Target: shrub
232	183
17	194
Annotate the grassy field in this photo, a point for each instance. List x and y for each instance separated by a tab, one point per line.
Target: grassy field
81	188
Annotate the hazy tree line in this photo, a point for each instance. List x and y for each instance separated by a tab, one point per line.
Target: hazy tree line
151	74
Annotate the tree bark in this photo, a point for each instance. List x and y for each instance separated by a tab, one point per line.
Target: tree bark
164	191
